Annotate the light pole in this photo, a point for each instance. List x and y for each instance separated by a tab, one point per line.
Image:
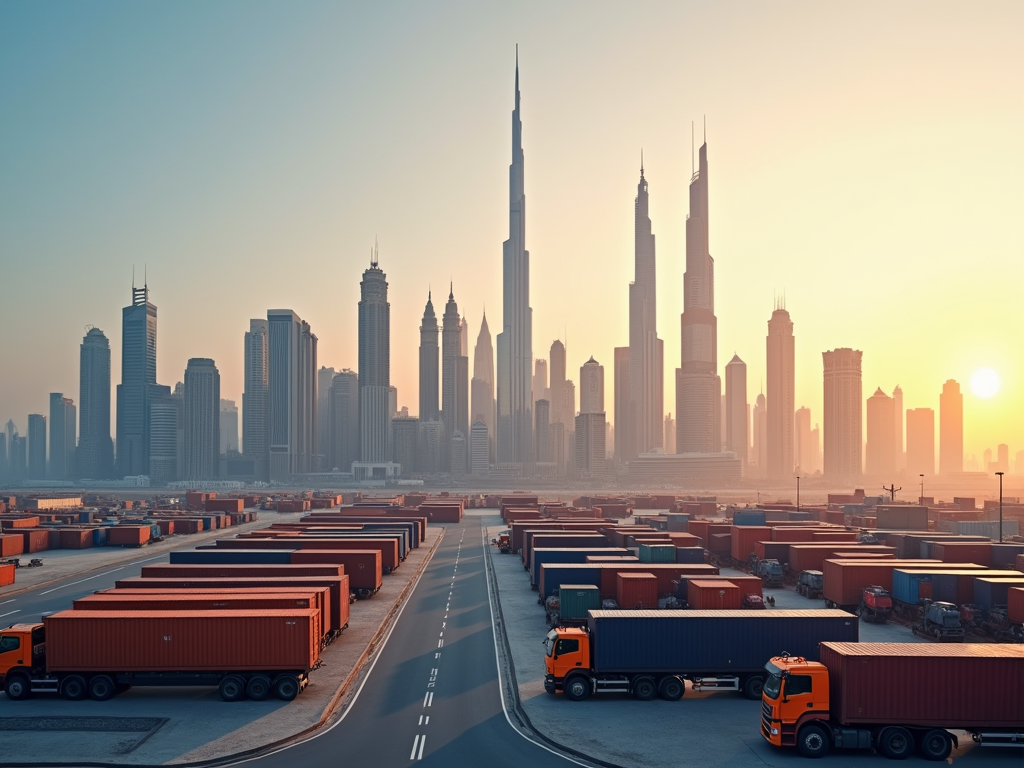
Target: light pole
922	489
1000	506
798	493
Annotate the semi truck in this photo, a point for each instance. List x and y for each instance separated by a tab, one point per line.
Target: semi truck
894	697
98	654
652	653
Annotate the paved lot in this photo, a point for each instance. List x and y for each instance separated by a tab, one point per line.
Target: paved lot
703	729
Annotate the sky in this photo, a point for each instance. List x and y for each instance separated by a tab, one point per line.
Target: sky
865	164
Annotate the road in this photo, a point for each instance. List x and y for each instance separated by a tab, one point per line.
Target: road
433	696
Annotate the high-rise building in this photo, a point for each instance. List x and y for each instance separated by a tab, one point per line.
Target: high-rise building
698	387
736	409
759	449
3	457
951	429
479	443
63	437
344	433
670	434
646	351
1002	458
431	446
138	373
540	379
202	419
94	458
291	394
453	389
542	431
781	393
880	453
842	415
374	366
404	436
36	464
803	451
816	448
622	407
464	337
515	342
324	380
482	386
592	387
901	456
590	435
920	442
556	388
255	443
429	359
229	426
167	420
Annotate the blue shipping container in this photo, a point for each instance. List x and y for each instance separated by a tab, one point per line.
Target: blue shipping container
539	557
906	585
552	576
1005	555
711	641
689	555
748	517
989	593
232	557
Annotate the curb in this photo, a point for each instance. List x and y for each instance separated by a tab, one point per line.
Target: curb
328	711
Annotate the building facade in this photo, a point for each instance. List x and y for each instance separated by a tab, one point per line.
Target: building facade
920	442
35	465
202	420
842	417
138	374
374	367
63	437
951	429
95	455
482	385
736	438
781	394
429	360
880	451
255	445
291	395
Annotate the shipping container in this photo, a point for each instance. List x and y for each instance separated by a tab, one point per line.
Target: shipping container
963	552
217	556
990	592
748	517
11	544
1005	555
908	586
712	595
689	555
7	574
128	535
612	559
363	567
576	599
74	538
388	548
560	540
1015	605
719	543
810	557
603	575
844	581
957	586
940	685
636	591
743	538
658	553
34	540
540	556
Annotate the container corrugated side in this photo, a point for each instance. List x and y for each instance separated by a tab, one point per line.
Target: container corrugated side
1015	605
388	547
540	556
235	556
363	567
636	591
990	592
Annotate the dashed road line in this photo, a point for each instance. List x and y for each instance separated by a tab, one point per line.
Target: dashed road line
428	699
417	747
73	583
10	613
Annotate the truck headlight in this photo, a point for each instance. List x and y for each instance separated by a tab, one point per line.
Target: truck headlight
775	731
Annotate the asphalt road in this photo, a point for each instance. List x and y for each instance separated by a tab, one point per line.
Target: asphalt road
433	696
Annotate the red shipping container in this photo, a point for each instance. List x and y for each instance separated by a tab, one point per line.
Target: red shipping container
128	535
388	548
153	641
684	540
712	594
699	528
963	552
827	535
719	543
166	527
1015	605
75	538
363	567
7	574
636	591
665	572
845	580
20	522
743	538
11	544
809	557
35	540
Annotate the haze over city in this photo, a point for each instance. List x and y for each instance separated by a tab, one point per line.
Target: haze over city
251	155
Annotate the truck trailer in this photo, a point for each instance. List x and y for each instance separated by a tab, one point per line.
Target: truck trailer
652	653
98	654
895	696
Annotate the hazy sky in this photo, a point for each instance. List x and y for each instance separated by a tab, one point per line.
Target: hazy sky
865	161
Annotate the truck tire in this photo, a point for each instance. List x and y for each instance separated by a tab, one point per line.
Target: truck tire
576	688
813	741
753	686
671	688
101	688
258	687
17	688
232	688
285	687
644	688
74	688
896	743
936	745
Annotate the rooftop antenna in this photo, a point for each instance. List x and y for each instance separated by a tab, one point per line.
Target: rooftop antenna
891	490
641	162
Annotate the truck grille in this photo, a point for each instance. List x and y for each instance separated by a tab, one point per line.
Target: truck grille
766	720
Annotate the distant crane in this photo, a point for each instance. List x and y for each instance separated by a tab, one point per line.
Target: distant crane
891	490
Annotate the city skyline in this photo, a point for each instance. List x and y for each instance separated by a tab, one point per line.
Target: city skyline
836	319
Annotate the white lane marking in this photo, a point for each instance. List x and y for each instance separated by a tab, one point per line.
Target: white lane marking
71	584
10	613
440	642
426	720
425	695
421	720
415	743
441	635
423	743
429	699
5	602
437	655
444	624
158	557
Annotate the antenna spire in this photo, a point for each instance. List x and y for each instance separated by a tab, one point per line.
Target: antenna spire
641	162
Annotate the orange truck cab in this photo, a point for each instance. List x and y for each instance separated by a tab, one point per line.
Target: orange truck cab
22	650
795	694
566	649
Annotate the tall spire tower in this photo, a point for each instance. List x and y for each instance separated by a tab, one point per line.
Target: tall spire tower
698	387
515	342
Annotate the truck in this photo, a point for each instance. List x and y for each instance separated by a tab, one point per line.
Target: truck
99	654
875	604
652	653
894	697
769	571
809	584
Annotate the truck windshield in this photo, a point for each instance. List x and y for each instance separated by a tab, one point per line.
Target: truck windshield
773	684
549	642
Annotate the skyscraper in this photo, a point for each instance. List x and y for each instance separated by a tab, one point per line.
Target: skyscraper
622	408
781	394
138	372
920	442
698	387
592	387
324	379
951	429
515	342
374	366
166	415
590	424
670	434
404	435
556	387
429	356
540	379
291	394
803	450
95	455
63	437
759	448
202	419
344	434
880	453
479	462
255	443
736	409
842	414
452	413
542	431
464	337
36	464
229	426
901	456
646	351
482	386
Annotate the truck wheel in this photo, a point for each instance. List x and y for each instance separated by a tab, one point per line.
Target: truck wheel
671	688
101	688
258	687
285	687
813	741
753	686
896	743
644	688
74	688
576	688
232	688
17	688
936	745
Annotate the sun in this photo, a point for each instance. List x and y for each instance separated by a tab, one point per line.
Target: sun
984	383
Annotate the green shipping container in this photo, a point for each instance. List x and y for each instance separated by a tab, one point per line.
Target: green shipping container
576	599
657	553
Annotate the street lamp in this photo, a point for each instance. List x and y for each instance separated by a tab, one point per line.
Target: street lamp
798	493
1000	506
922	489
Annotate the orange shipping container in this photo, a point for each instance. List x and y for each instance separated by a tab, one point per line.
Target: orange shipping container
1015	605
128	535
809	557
11	544
964	552
827	535
744	537
20	522
709	595
35	540
636	591
6	575
75	538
